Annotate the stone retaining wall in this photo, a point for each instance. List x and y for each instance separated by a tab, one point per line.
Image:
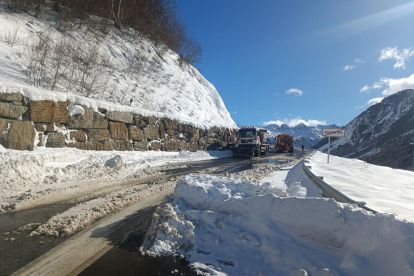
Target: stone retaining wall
25	124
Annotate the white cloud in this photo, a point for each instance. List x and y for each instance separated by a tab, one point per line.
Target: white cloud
349	67
296	91
234	112
401	57
295	121
375	101
366	88
370	102
377	85
392	86
358	60
275	94
396	85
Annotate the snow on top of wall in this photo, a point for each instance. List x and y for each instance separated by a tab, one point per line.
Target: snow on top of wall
76	110
163	87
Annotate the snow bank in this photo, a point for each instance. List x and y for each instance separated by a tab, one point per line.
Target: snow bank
84	214
382	188
27	177
235	227
163	87
292	182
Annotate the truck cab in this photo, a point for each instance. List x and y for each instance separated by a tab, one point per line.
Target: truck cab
248	137
284	142
251	141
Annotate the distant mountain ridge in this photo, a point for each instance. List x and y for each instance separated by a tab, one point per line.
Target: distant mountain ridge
303	134
381	134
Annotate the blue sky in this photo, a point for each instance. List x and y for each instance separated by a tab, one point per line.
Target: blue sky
256	52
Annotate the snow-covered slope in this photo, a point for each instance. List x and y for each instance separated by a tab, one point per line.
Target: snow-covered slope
381	126
383	189
303	134
151	76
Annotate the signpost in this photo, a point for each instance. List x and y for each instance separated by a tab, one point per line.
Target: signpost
332	132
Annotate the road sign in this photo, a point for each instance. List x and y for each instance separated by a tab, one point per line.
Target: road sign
333	132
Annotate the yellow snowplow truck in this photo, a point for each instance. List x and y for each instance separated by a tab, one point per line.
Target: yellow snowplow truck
283	142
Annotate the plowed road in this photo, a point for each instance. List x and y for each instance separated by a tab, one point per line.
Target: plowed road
102	249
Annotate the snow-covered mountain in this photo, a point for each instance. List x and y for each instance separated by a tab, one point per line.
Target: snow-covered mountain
303	134
129	69
382	133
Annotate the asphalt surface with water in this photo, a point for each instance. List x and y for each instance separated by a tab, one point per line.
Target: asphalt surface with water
123	258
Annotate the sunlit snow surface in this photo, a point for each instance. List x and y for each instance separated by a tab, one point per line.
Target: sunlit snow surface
382	188
228	226
163	87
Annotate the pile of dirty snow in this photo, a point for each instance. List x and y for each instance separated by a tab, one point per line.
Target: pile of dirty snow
261	171
228	226
84	214
33	176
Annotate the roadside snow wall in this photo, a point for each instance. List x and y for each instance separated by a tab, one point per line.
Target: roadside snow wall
235	227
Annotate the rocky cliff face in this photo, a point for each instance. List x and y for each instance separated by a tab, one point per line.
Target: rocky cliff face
26	124
378	132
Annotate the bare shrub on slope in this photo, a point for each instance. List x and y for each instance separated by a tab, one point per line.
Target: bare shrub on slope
59	54
19	5
35	58
157	20
12	36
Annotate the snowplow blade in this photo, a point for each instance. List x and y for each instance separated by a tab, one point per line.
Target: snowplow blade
241	152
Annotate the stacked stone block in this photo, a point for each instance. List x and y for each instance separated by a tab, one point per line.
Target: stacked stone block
25	124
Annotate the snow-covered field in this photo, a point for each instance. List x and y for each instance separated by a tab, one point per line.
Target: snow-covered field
280	226
382	188
34	177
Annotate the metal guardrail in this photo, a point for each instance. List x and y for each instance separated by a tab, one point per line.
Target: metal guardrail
331	192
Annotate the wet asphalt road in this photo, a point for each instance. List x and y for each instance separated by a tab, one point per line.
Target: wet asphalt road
123	258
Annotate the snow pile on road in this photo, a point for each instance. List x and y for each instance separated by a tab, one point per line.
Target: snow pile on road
46	173
235	227
292	182
160	85
382	188
84	214
261	171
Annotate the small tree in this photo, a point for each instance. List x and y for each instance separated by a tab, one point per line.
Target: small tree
38	5
59	53
36	57
74	56
116	12
191	51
